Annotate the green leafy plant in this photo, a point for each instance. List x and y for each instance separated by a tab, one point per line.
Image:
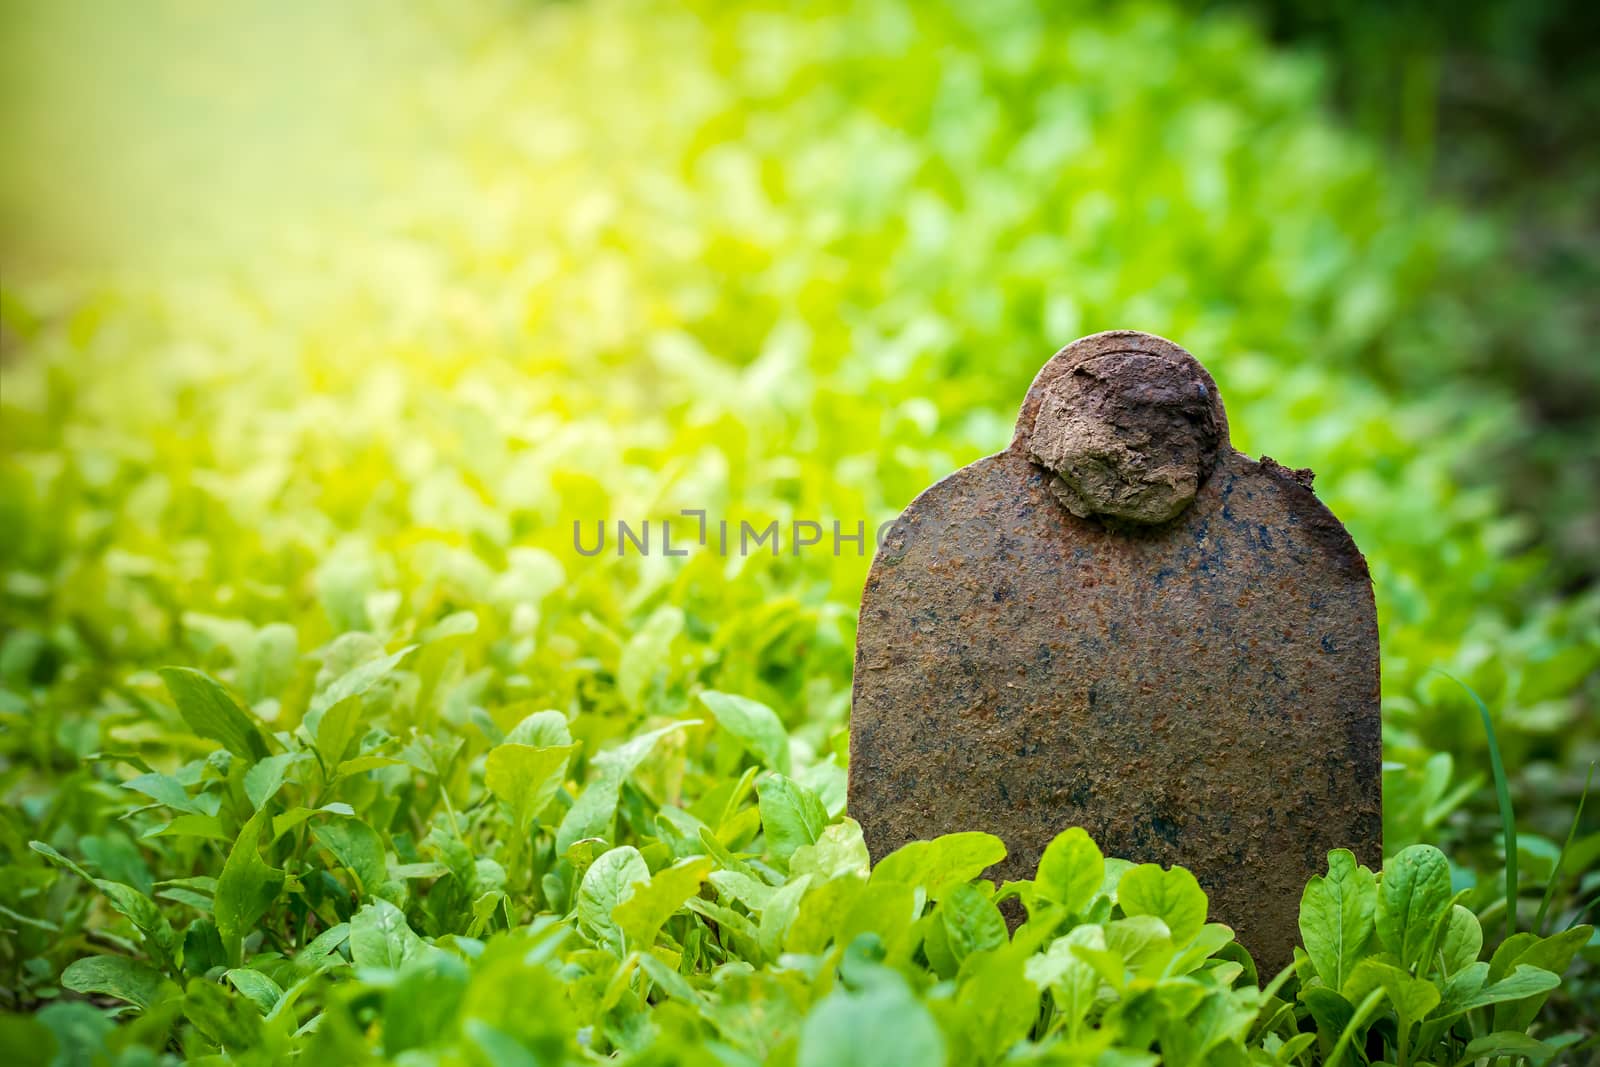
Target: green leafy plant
1394	959
745	918
321	739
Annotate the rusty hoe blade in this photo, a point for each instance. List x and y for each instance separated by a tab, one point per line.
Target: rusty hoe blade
1121	623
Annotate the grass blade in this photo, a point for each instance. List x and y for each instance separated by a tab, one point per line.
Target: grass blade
1357	1021
1583	909
1502	793
1555	872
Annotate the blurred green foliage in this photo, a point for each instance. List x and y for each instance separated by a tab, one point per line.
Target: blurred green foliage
343	394
1494	104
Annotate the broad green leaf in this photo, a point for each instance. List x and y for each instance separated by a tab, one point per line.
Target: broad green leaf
791	815
456	624
1071	870
269	662
641	915
246	887
1551	955
410	871
673	983
824	905
118	858
333	730
882	1025
226	1019
1336	916
737	925
1207	943
1220	1019
591	815
1506	1043
381	938
1331	1011
646	653
321	951
1173	896
747	890
1360	1018
211	711
50	853
780	913
1143	942
165	789
282	824
1462	940
262	781
338	713
1507	952
363	764
357	681
343	581
885	910
829	781
1069	978
420	1009
525	778
1115	869
114	976
756	726
1458	989
1413	903
1412	998
1107	964
741	826
356	847
191	826
1521	983
208	632
1179	999
542	729
839	850
261	990
995	1002
948	860
936	947
484	909
145	916
612	878
1291	1050
202	947
971	922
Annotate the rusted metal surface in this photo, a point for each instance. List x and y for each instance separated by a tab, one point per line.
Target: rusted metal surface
1154	637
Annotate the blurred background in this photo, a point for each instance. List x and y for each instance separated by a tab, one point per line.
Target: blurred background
337	317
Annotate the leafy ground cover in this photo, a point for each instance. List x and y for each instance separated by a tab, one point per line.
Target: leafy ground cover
321	738
1492	101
